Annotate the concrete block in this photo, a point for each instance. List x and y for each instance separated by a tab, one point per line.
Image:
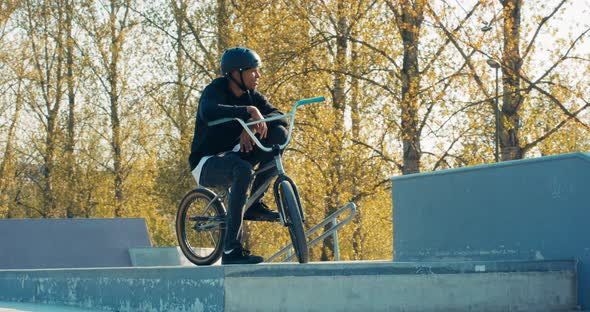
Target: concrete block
481	286
163	256
154	256
69	243
531	209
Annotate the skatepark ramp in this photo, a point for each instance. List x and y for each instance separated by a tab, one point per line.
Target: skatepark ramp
529	209
70	243
334	286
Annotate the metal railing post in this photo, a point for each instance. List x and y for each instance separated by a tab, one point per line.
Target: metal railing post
350	207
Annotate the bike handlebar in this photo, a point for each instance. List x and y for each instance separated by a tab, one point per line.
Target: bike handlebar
291	122
310	100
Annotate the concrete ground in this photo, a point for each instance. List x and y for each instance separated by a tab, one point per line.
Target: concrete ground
536	286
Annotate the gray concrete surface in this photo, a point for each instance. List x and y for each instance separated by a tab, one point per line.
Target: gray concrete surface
341	286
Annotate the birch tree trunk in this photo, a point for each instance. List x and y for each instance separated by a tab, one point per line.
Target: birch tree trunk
223	34
7	162
113	79
71	121
337	129
48	57
355	98
409	19
511	71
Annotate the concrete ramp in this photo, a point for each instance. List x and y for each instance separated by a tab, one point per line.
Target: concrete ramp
69	243
531	209
348	286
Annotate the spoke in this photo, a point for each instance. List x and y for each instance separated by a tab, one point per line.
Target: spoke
202	226
205	239
209	205
213	239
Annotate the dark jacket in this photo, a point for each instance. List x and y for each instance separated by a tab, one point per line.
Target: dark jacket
218	101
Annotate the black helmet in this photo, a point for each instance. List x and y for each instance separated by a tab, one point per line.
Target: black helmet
239	59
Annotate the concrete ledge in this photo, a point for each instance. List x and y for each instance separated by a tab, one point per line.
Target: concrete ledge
30	307
163	256
349	286
154	256
356	268
118	289
409	286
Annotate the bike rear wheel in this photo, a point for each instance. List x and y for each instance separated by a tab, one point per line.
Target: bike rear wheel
294	221
200	227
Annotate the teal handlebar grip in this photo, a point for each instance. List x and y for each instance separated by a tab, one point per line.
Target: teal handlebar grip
310	100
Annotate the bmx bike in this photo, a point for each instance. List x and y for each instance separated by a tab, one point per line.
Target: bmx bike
201	215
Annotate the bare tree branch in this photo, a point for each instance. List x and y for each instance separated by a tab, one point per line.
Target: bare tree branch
379	152
543	21
438	53
460	50
547	134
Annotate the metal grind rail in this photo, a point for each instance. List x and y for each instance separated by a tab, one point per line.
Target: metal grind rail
350	207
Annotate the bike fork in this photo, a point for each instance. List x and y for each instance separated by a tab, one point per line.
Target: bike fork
283	177
280	179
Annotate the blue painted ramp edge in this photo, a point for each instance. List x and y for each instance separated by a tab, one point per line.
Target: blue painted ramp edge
369	268
518	162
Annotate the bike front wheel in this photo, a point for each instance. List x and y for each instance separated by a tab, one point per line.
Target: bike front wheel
294	221
200	227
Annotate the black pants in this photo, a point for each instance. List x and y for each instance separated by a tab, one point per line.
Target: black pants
235	170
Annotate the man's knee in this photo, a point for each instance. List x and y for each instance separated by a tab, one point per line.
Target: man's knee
277	135
243	171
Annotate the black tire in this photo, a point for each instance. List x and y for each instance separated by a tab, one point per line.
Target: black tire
190	232
294	223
